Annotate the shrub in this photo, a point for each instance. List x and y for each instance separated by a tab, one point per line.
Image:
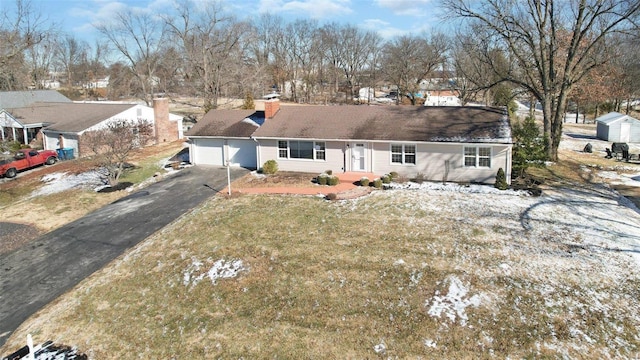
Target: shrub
529	146
328	172
270	167
400	179
501	180
332	196
393	175
322	179
333	180
386	179
377	183
364	181
420	178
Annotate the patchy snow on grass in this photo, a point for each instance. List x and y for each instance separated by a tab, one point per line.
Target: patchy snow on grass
380	348
220	269
454	303
58	182
455	187
430	343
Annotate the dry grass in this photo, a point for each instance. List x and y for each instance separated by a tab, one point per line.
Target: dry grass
336	279
52	211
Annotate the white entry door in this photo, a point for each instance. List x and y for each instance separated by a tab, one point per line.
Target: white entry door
358	157
625	132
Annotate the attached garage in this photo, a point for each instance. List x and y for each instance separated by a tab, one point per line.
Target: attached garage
616	127
207	151
243	153
226	135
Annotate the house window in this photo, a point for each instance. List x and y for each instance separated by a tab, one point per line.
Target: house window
403	154
311	150
139	112
477	156
283	149
319	150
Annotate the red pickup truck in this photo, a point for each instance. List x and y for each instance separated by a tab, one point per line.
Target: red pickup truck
25	159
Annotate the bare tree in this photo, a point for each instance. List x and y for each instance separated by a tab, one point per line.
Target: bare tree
350	51
113	145
265	33
551	45
209	38
138	37
20	30
39	59
68	54
407	60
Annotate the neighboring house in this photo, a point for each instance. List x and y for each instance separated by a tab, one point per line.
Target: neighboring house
442	98
462	144
18	129
97	84
616	127
65	123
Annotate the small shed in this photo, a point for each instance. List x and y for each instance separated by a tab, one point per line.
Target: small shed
618	127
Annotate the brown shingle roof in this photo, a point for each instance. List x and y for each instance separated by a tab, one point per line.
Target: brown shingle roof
227	123
392	123
68	117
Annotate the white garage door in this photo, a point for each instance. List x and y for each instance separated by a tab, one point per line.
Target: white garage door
208	152
243	153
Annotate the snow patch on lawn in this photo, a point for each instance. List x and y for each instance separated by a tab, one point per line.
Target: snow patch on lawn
220	269
455	187
58	182
454	304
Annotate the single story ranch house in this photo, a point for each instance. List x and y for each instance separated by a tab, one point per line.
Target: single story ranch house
460	144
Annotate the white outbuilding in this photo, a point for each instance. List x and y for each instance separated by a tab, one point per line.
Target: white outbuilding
616	127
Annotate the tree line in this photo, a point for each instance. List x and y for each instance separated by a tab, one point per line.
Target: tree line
560	54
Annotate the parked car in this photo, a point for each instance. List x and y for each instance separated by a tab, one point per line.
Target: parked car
25	159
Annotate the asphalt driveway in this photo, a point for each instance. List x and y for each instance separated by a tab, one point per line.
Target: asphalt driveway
36	274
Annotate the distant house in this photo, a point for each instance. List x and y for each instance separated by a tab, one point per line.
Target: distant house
19	129
616	127
62	124
442	98
463	144
97	84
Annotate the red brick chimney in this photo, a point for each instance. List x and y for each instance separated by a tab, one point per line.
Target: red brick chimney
271	107
165	129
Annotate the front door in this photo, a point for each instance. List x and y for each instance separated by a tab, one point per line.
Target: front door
358	157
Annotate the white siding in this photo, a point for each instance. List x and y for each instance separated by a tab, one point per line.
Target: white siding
334	155
242	153
613	130
440	162
52	142
436	162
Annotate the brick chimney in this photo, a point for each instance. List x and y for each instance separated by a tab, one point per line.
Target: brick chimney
165	129
271	107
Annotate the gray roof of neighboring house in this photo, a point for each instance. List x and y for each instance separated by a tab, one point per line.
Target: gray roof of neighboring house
68	117
20	99
228	123
613	117
389	123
